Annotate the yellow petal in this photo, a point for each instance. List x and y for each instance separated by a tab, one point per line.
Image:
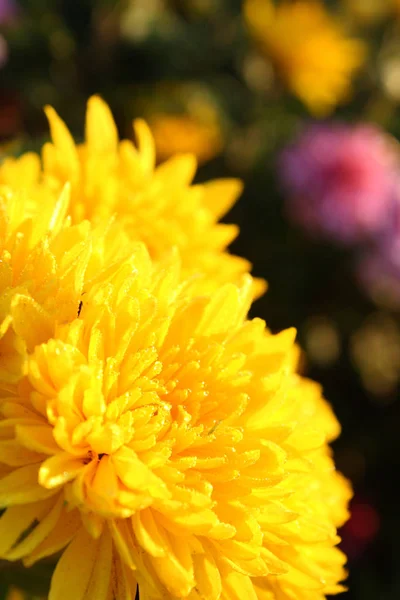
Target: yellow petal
104	488
237	586
100	580
178	171
41	531
101	131
59	469
30	321
64	144
6	275
221	194
38	438
150	536
221	312
21	487
136	475
123	584
122	536
146	145
174	572
18	522
84	568
60	535
14	454
60	210
207	576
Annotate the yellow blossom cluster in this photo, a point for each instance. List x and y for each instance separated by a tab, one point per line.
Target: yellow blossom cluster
152	438
158	205
311	51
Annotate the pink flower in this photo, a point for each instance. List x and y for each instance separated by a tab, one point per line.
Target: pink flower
8	10
341	180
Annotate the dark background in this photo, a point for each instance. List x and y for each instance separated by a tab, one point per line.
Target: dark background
61	52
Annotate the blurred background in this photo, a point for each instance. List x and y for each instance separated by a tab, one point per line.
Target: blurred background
301	99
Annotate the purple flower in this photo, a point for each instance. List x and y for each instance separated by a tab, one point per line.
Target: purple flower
8	10
341	180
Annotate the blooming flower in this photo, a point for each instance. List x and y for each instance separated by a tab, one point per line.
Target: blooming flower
8	10
44	265
341	180
311	51
158	206
154	436
175	134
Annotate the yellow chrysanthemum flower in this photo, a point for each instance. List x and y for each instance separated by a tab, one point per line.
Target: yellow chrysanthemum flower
154	436
157	205
45	264
21	173
309	48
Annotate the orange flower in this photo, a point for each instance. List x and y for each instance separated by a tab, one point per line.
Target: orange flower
175	134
